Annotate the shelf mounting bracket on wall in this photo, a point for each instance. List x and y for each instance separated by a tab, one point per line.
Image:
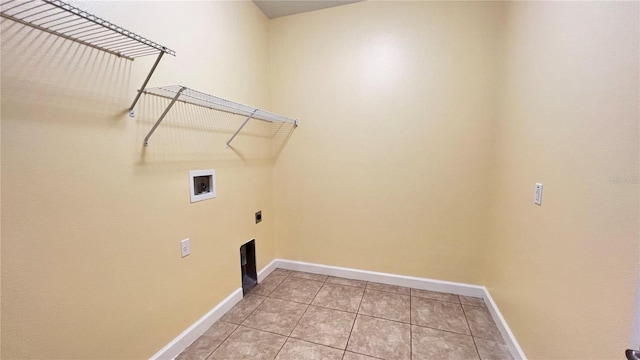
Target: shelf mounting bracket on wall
71	23
197	98
240	128
155	126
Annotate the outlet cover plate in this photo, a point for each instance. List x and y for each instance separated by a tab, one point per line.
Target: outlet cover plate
185	247
537	198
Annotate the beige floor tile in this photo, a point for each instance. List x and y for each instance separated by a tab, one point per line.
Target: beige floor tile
247	343
276	316
492	350
434	295
296	289
439	315
205	344
380	338
340	297
266	286
481	323
473	301
325	327
308	276
431	344
348	282
243	308
295	349
388	288
280	272
353	356
386	305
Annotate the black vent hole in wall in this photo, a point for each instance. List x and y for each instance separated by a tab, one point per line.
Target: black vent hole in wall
248	266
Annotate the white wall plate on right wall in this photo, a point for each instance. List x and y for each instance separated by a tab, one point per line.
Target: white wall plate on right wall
537	198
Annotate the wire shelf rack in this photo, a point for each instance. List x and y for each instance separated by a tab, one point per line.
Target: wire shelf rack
189	96
71	23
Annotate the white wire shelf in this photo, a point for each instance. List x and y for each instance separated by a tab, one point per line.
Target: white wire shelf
71	23
194	97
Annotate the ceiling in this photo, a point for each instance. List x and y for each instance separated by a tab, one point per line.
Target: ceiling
278	8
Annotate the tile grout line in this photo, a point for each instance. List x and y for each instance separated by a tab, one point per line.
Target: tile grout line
471	332
447	331
222	342
300	319
355	319
357	313
410	325
254	310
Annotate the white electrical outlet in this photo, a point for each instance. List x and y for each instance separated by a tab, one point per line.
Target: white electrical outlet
185	247
537	198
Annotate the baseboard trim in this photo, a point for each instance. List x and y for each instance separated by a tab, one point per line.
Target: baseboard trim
187	337
384	278
267	270
416	283
501	323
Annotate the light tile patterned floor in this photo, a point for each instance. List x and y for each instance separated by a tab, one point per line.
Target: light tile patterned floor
293	315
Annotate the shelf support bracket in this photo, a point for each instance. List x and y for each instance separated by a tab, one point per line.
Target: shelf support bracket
173	101
240	128
144	84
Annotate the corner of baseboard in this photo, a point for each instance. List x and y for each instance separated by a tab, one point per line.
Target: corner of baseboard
182	341
262	274
507	335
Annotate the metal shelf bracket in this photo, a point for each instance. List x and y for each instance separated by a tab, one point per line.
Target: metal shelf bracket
155	126
240	128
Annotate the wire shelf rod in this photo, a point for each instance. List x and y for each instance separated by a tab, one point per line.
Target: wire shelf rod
119	40
70	23
131	46
29	9
20	4
96	35
143	53
83	29
43	17
50	23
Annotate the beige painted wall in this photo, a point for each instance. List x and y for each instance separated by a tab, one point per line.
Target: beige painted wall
564	274
389	170
91	223
426	126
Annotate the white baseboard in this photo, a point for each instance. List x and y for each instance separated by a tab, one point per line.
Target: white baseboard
384	278
501	323
182	341
267	270
416	283
193	332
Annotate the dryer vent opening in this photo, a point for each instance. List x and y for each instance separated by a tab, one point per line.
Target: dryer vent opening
248	266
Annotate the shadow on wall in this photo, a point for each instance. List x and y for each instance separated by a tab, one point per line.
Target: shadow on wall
61	74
